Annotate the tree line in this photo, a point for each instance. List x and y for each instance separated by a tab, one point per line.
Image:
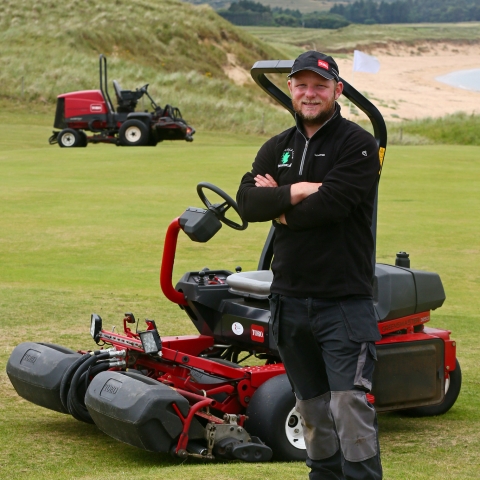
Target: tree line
409	11
248	12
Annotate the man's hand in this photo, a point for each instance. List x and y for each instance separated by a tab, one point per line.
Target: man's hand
265	181
301	190
298	191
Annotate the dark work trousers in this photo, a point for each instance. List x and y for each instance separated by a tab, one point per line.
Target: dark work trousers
328	350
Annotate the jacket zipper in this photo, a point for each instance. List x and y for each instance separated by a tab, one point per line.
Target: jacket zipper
308	141
304	155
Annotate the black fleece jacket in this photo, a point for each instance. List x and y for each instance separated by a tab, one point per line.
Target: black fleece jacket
326	248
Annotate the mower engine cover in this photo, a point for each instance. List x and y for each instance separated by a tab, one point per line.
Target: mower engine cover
138	410
36	371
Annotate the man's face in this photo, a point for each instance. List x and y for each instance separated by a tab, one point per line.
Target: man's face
313	96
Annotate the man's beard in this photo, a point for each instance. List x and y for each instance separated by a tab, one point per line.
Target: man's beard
328	108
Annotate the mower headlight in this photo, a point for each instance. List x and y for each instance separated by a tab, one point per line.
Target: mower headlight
151	342
95	326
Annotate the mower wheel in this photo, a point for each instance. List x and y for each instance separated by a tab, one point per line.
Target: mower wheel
133	133
69	138
83	138
453	385
272	417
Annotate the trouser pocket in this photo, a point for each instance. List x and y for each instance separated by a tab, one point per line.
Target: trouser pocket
365	366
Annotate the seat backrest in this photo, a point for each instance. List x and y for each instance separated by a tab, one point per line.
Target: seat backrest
118	91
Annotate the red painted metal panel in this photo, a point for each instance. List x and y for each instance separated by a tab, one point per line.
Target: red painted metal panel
404	323
168	259
88	102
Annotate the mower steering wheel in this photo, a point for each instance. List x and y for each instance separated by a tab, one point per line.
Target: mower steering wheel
219	209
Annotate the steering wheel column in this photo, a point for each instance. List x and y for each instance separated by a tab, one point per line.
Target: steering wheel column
200	225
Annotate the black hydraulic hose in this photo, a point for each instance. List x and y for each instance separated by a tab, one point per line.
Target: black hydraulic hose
92	372
67	379
76	406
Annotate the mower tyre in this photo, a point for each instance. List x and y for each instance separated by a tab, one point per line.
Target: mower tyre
452	389
133	133
83	138
69	138
272	417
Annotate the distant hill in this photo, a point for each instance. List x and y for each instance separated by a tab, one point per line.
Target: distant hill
187	53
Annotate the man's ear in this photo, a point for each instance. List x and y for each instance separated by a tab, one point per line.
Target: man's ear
289	85
338	90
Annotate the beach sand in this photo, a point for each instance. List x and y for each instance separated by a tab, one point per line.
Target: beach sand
405	87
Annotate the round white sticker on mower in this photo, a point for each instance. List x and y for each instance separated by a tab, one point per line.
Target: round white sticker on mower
237	328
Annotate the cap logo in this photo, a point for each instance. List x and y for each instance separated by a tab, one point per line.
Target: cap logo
323	64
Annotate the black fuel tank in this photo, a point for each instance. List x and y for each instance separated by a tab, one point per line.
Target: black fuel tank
36	371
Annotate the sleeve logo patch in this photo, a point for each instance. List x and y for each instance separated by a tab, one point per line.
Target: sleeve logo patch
364	153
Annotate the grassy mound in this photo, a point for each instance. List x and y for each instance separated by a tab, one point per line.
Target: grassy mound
183	51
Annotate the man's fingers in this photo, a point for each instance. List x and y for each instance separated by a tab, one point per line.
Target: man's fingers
271	180
267	181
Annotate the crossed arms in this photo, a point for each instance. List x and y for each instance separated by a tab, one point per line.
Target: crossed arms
298	191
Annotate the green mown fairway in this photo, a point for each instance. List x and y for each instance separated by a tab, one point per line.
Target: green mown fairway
82	230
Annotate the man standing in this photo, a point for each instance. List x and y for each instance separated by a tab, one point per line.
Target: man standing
317	182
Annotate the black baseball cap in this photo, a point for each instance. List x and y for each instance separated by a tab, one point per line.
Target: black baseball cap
317	62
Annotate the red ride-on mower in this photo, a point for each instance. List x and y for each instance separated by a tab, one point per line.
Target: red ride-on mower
224	393
93	111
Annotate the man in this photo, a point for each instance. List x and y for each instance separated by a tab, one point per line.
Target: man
317	182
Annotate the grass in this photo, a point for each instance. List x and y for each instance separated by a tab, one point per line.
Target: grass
456	129
81	231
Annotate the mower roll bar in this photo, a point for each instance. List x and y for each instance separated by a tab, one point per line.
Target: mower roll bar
258	72
102	68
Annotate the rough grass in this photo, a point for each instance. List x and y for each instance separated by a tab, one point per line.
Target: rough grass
456	129
81	231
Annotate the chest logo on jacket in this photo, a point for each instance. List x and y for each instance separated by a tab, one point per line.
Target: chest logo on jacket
287	158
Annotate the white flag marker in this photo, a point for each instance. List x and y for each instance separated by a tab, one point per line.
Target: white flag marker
365	63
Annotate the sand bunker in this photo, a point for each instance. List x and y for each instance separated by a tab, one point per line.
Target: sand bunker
405	87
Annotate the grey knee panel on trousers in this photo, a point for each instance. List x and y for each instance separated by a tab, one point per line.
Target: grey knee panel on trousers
318	428
354	419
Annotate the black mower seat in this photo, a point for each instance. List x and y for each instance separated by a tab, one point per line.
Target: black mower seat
397	291
127	99
255	284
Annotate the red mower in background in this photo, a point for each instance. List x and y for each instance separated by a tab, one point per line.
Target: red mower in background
93	111
223	393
